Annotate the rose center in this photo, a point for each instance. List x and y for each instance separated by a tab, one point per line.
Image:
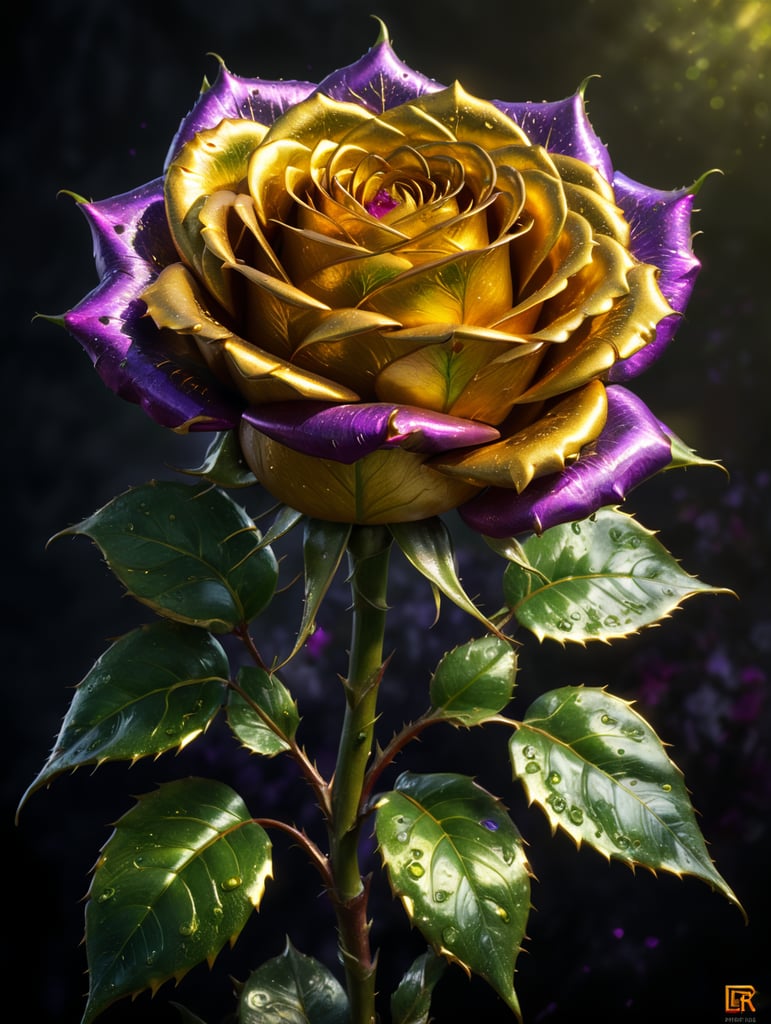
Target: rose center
381	204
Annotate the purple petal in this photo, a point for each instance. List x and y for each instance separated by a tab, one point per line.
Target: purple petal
660	234
345	433
378	80
562	127
633	446
255	99
131	240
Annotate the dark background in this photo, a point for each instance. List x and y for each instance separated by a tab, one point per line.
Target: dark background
93	94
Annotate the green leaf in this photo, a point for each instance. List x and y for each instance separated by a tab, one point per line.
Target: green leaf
601	773
599	579
292	989
265	716
324	545
187	551
178	878
475	681
155	688
455	859
224	463
411	1002
428	546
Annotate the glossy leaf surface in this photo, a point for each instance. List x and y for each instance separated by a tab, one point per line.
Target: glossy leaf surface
189	552
474	681
178	878
154	689
428	546
455	859
600	772
599	579
292	989
411	1002
265	716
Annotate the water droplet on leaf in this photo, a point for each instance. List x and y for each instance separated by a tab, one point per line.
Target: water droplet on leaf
229	884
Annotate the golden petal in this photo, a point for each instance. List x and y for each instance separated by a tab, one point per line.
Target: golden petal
262	377
282	290
578	172
592	290
316	118
472	287
572	251
491	394
546	207
539	449
304	252
176	301
629	326
349	282
214	160
605	218
406	122
384	487
356	360
435	376
272	168
470	119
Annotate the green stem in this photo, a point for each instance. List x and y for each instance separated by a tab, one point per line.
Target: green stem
368	551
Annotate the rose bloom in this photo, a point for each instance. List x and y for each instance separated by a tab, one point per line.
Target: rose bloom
406	299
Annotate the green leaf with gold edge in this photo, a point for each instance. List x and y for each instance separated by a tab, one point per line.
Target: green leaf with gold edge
456	860
600	772
224	463
427	545
474	681
324	544
602	578
292	989
411	1002
153	690
266	730
187	551
179	877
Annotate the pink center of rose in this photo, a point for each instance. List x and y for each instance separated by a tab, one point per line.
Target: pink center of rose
382	204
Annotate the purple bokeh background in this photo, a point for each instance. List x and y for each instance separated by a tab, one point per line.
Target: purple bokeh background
97	93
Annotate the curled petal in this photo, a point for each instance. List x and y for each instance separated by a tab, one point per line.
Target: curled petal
660	225
346	433
633	446
562	127
169	381
378	80
254	99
